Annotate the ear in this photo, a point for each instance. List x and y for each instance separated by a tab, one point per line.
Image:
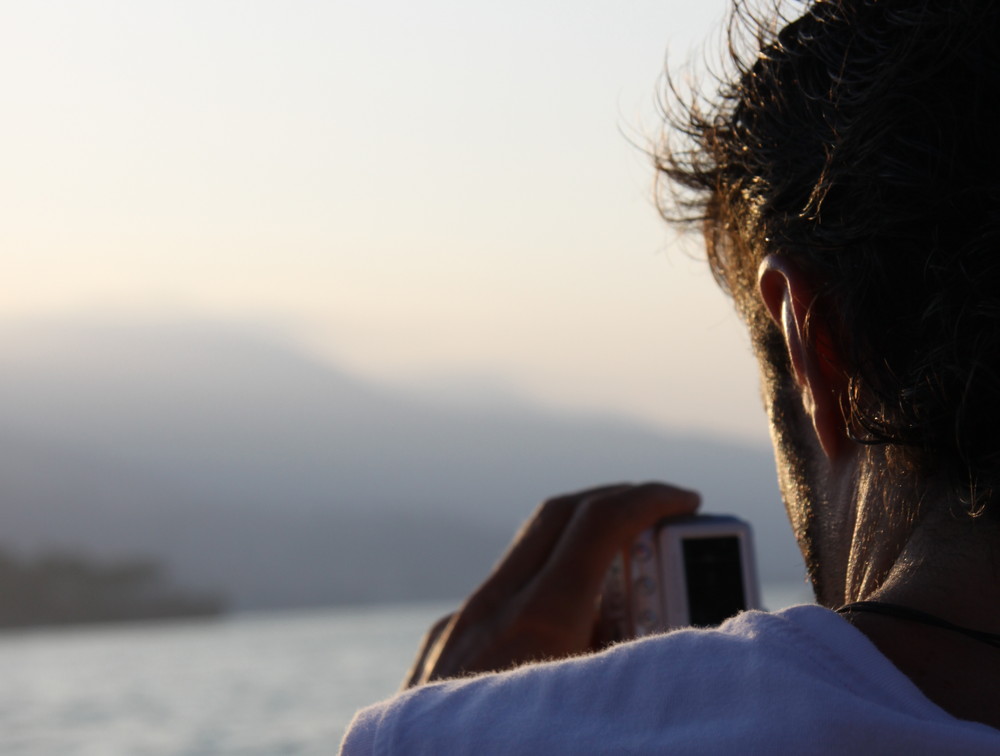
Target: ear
816	366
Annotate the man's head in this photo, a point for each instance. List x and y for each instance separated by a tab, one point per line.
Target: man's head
858	152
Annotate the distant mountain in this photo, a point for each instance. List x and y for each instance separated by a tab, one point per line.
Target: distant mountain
254	470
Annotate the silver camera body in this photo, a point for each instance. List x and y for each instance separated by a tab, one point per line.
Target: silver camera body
691	571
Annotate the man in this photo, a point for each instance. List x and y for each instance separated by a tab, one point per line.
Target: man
848	181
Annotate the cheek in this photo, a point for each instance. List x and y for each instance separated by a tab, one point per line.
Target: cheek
795	495
795	451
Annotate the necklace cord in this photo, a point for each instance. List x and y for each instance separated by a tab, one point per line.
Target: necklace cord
915	615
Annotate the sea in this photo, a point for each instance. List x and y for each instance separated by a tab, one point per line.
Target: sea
248	684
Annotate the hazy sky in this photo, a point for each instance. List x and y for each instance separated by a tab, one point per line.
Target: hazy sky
444	192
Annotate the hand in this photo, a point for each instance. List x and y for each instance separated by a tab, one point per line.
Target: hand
540	602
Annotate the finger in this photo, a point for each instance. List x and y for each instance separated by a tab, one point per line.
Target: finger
418	671
533	545
611	617
600	528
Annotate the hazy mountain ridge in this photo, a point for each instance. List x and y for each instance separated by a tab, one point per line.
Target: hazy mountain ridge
254	470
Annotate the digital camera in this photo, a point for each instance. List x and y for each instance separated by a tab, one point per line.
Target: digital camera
697	570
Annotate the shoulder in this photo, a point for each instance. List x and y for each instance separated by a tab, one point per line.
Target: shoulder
790	678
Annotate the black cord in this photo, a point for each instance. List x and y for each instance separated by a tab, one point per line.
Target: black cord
914	615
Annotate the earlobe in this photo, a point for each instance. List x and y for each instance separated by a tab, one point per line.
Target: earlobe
816	368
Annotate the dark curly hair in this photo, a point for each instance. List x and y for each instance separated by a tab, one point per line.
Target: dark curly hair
862	141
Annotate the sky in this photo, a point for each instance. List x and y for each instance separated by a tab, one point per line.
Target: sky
447	195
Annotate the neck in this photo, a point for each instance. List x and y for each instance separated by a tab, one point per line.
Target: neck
860	526
882	522
945	564
949	566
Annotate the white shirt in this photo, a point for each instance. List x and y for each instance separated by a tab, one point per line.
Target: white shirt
800	681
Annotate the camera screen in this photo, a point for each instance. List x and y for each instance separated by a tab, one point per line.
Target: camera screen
714	577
